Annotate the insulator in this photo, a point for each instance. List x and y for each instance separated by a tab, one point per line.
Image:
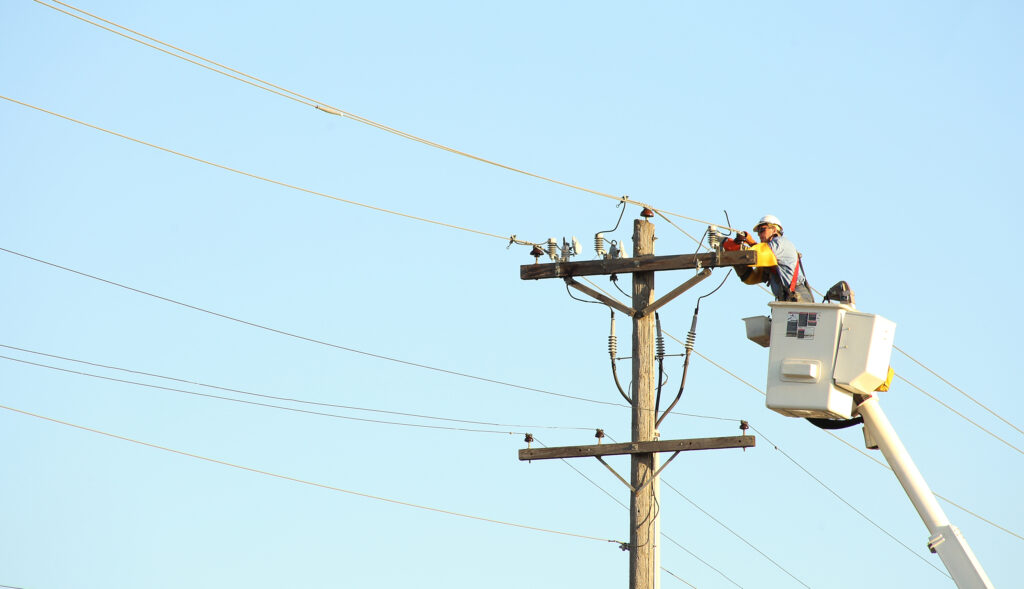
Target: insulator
599	245
689	340
552	248
659	341
613	346
713	237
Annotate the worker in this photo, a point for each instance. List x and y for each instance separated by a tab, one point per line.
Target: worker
783	271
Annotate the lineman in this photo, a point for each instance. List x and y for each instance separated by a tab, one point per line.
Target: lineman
782	271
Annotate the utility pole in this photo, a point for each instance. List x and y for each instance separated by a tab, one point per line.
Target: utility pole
644	539
643	511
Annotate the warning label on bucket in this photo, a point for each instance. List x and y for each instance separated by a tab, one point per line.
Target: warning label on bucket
801	325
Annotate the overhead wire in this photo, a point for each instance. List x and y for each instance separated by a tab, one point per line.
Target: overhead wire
959	414
959	390
325	107
254	403
734	533
288	399
340	347
305	482
511	239
310	339
336	346
848	504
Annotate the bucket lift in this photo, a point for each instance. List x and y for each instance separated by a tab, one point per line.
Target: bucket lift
826	361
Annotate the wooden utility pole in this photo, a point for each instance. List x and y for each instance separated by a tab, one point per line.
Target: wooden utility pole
644	540
643	511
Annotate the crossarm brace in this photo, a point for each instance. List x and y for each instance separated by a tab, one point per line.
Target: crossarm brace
604	299
675	292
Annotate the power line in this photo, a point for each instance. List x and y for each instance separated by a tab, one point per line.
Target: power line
289	399
511	239
305	482
267	405
731	531
961	415
325	107
937	495
847	503
959	390
309	339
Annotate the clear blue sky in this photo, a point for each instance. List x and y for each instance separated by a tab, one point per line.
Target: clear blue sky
887	139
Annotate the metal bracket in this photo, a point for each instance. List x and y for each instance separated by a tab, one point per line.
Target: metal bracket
645	483
604	299
675	293
624	481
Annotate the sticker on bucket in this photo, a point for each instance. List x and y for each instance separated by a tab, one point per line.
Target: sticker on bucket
801	325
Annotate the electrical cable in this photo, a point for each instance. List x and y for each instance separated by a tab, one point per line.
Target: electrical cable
967	419
575	298
270	180
258	404
704	562
291	399
959	390
305	482
309	339
848	504
323	106
731	531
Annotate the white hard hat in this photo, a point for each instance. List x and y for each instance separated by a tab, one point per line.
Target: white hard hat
769	220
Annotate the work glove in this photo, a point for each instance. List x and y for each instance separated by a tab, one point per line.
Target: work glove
741	237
